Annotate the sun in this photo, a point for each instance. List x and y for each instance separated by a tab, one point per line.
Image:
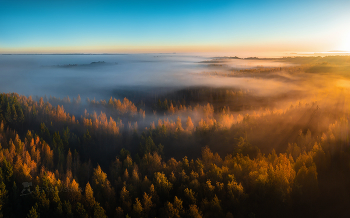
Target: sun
344	44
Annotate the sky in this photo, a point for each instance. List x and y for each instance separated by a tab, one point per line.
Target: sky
173	26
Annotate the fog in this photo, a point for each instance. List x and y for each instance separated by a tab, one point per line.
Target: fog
98	76
245	86
62	75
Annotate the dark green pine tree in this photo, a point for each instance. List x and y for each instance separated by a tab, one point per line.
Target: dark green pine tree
66	137
14	114
8	114
45	133
58	151
20	114
87	142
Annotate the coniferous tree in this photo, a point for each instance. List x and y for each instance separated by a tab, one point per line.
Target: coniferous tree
33	212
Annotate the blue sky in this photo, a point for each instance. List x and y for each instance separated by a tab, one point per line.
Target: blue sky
152	26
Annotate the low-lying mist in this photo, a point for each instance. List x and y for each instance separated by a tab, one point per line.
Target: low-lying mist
184	92
97	76
92	75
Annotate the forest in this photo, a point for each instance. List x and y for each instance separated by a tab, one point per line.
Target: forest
275	145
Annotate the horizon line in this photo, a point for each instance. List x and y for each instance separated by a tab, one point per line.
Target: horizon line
289	54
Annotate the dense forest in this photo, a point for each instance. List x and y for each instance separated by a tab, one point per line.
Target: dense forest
194	152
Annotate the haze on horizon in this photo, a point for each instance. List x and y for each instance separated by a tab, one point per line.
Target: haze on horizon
174	26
